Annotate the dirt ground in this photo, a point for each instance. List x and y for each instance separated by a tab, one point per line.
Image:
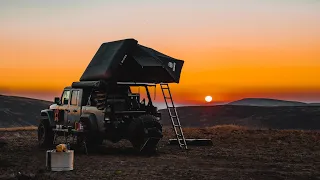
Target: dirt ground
236	154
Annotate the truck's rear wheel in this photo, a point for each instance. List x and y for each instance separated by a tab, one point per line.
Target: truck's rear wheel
142	128
45	134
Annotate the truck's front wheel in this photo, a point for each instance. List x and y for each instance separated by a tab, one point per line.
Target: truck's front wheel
45	134
92	136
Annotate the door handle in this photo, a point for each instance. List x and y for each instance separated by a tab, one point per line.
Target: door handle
75	110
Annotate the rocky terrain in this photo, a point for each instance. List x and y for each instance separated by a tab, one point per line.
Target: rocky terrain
255	150
236	153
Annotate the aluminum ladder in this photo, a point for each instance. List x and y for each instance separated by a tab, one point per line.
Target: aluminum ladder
173	114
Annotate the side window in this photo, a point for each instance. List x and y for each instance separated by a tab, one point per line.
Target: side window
65	97
74	98
142	93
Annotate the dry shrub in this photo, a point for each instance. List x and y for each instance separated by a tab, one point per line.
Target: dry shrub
229	127
11	129
205	132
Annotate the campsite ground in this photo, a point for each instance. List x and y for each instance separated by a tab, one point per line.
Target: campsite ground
236	153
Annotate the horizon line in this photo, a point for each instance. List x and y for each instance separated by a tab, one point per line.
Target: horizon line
186	104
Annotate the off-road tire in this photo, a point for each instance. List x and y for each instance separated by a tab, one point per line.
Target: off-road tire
136	131
91	138
45	134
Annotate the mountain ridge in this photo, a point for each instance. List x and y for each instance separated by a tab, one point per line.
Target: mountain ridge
267	102
18	111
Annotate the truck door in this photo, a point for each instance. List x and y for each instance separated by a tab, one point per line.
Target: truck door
64	107
74	107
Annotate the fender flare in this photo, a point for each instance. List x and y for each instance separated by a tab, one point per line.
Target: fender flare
47	115
92	120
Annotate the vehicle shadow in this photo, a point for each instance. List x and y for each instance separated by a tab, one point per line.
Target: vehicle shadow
112	151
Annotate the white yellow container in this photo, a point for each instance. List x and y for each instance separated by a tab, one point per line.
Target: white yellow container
59	161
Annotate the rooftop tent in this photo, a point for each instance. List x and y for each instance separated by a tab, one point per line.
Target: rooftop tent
127	61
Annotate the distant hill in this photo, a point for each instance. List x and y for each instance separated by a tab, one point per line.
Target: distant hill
266	102
277	117
20	111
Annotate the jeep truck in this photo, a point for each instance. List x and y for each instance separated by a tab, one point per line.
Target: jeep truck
106	111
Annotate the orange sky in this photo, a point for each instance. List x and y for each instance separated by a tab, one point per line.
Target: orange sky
231	50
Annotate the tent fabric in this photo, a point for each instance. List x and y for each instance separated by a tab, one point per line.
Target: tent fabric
106	59
172	65
127	61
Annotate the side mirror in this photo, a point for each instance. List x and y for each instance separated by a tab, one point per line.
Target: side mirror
57	100
65	101
143	102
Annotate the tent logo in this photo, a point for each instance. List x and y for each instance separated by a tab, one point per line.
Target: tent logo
172	65
124	58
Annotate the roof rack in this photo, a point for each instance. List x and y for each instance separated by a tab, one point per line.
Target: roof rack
136	84
97	84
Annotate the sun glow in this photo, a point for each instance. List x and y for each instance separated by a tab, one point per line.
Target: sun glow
208	98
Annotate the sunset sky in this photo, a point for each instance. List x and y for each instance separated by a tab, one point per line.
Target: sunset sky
232	49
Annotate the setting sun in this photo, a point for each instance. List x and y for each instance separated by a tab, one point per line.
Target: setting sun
208	98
